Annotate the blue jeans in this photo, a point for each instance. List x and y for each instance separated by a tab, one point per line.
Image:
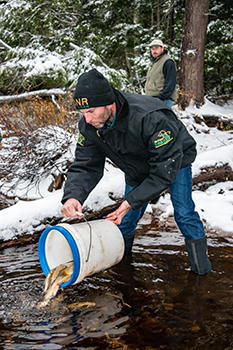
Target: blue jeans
168	103
186	217
130	220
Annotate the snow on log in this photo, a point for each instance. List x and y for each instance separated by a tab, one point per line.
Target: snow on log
25	95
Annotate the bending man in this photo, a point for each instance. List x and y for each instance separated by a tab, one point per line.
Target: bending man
143	137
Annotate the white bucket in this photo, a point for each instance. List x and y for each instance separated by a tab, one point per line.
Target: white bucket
93	246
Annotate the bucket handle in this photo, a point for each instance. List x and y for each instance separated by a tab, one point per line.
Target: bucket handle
89	249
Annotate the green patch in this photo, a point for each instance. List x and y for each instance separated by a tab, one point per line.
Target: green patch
164	138
81	138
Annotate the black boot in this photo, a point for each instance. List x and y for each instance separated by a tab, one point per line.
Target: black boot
197	252
128	239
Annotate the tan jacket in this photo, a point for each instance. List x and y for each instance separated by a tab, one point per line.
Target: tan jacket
156	80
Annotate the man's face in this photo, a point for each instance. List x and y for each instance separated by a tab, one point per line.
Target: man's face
156	51
98	116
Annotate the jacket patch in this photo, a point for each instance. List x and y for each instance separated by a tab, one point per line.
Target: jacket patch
80	140
164	138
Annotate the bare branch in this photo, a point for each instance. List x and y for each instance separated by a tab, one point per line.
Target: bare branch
6	46
25	95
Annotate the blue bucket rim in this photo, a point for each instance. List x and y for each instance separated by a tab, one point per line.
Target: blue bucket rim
74	249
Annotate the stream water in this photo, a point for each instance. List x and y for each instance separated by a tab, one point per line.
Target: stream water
149	300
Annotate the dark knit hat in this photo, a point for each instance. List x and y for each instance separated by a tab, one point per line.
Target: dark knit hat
93	90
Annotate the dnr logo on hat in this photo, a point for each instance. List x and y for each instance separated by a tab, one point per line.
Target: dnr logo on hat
82	102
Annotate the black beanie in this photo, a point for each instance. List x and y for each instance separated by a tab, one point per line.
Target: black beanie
93	90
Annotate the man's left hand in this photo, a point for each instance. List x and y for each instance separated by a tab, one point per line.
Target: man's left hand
117	215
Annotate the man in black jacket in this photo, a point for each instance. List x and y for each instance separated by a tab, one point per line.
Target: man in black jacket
150	145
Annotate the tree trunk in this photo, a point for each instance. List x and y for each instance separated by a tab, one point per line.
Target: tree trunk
171	24
191	76
136	20
152	19
158	14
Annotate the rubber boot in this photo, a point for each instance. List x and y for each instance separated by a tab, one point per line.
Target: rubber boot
197	253
128	239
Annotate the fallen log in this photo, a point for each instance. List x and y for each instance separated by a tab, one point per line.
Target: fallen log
25	95
212	175
220	122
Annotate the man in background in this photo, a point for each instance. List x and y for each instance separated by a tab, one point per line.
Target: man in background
161	76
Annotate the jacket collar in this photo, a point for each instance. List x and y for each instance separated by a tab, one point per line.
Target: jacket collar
122	110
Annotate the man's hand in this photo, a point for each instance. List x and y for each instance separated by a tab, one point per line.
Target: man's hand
70	208
117	215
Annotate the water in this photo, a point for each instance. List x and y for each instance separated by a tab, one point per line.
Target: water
150	300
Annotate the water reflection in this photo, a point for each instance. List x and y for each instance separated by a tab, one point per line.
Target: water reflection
149	300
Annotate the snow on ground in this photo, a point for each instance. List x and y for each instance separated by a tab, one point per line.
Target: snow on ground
215	205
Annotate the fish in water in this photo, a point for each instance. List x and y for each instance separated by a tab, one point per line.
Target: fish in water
55	278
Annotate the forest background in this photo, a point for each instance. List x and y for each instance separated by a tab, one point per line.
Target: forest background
114	34
46	45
